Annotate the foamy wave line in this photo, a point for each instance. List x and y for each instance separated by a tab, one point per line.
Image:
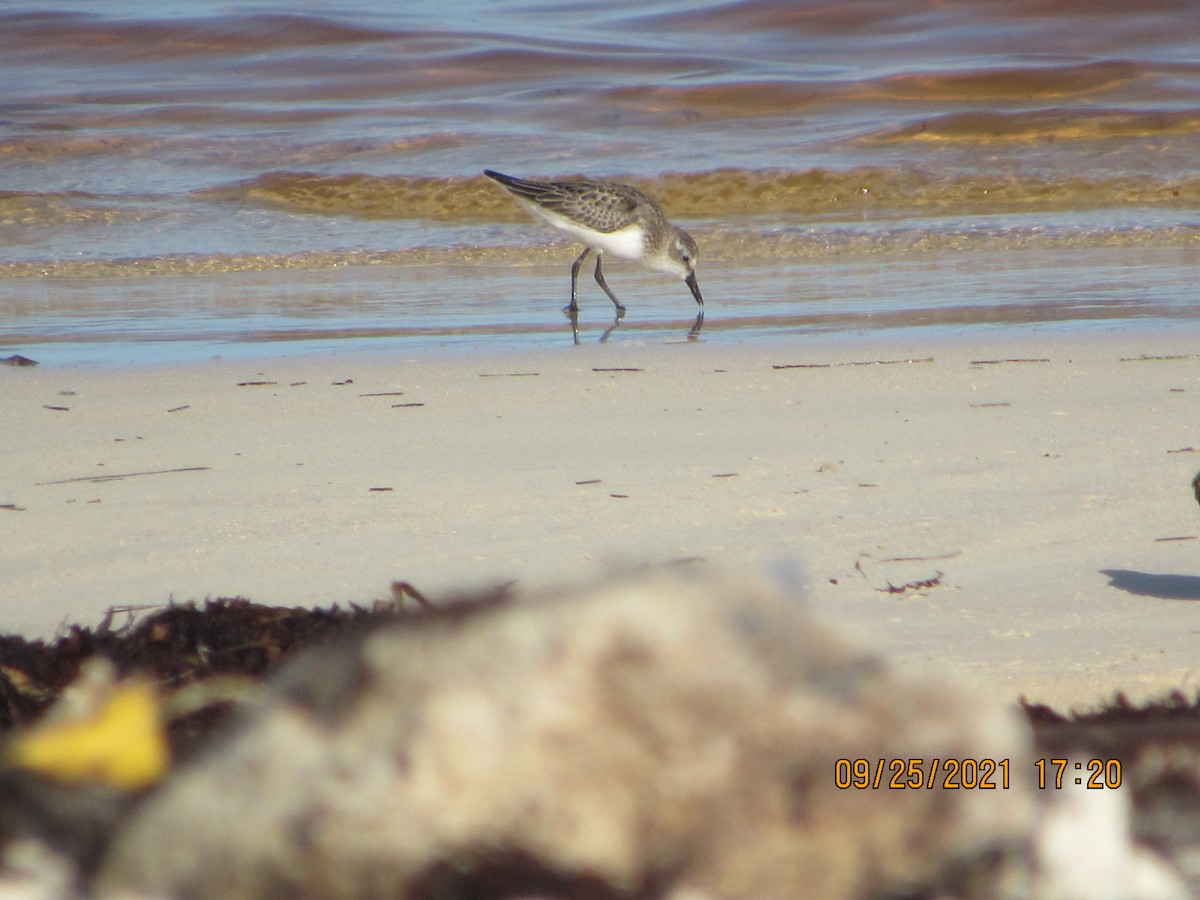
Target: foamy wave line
723	194
717	245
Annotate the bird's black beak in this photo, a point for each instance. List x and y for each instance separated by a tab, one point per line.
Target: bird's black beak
690	281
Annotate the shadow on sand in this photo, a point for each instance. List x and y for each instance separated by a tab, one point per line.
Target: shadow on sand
1147	584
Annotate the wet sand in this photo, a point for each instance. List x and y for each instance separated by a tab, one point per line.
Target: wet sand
1014	510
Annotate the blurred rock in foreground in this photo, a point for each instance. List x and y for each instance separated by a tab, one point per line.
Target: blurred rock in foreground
662	736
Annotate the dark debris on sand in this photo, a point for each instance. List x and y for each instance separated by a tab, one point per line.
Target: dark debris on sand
183	644
181	647
1157	747
176	645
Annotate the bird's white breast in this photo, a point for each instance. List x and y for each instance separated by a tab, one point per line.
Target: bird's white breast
627	242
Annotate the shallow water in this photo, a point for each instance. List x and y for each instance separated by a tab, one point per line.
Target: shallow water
187	179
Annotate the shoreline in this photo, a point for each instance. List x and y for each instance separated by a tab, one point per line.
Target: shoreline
1014	509
956	297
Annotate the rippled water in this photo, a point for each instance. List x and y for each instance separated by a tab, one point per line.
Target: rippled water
191	178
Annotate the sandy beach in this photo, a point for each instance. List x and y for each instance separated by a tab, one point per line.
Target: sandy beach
1014	510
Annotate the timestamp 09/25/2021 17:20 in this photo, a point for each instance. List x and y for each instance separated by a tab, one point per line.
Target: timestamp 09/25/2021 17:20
971	774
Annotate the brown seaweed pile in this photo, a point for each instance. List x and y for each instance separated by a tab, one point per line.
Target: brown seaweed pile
176	646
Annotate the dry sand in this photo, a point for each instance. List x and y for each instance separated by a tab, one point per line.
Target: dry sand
1031	490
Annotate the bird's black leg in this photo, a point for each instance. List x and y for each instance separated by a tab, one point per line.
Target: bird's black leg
600	281
574	307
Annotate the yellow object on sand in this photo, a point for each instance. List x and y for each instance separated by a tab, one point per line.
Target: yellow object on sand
121	743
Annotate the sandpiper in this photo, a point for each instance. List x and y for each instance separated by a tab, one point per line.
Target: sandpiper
607	216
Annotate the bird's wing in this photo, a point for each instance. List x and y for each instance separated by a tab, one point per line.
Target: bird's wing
602	206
